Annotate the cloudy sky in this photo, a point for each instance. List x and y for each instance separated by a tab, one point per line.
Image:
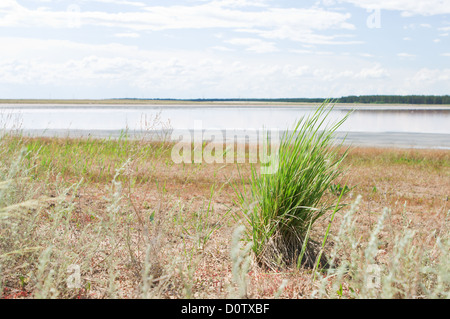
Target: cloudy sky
223	48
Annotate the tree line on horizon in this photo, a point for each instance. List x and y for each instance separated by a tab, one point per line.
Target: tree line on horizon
364	99
397	99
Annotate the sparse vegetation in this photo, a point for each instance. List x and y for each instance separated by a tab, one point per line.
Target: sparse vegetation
132	224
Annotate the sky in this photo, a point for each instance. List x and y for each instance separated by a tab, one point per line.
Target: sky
96	49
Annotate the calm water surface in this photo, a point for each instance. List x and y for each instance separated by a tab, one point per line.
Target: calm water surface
403	126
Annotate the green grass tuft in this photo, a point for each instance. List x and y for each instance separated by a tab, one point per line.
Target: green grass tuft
281	207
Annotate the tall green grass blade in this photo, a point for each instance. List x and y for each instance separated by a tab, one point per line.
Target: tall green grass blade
280	208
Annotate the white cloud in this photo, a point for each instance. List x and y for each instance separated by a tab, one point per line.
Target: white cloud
413	26
118	2
302	63
127	35
406	7
352	74
48	50
296	70
304	36
406	55
375	72
254	45
112	70
296	24
428	76
240	3
367	55
222	48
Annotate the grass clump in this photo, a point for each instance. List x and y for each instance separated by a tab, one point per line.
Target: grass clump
408	266
282	207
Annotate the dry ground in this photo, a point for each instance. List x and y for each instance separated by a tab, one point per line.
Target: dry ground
185	214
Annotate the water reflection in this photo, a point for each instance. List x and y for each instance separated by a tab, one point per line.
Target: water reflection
410	126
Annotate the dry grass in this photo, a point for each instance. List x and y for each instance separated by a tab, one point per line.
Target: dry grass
147	228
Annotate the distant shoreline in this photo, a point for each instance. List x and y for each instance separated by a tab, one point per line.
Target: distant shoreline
286	101
119	103
396	140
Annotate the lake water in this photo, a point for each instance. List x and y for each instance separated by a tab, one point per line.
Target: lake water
397	126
